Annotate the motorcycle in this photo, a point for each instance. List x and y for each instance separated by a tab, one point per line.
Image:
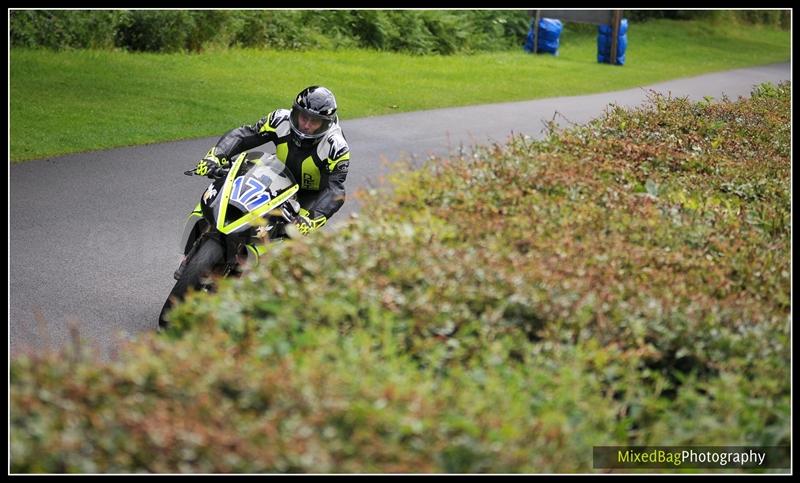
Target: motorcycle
247	206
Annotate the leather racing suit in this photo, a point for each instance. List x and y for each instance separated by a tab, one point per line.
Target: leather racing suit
319	167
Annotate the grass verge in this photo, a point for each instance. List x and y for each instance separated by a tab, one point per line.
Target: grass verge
75	101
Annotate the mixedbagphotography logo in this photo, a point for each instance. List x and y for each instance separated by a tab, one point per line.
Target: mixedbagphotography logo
691	457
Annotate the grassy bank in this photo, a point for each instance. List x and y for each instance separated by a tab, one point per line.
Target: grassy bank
75	101
626	282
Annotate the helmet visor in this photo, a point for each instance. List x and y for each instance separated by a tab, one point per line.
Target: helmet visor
307	124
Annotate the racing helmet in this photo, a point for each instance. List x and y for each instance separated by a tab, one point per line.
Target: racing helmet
317	107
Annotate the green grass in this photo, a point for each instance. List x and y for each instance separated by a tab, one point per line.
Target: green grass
74	101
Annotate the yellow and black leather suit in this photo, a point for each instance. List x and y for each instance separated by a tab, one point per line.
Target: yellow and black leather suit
319	166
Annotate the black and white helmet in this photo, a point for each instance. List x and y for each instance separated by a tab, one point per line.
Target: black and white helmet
317	103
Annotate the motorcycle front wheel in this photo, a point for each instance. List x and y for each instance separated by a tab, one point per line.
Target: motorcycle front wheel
197	270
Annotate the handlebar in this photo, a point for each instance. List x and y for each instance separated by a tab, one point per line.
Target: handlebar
219	173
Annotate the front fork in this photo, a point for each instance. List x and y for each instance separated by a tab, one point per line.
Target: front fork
185	259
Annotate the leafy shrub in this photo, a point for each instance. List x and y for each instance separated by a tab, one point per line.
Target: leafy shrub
625	282
60	29
169	31
418	32
776	18
270	29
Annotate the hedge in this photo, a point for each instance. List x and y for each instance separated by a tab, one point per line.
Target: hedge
624	282
414	31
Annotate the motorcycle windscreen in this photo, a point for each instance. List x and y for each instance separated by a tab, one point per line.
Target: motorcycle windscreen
265	180
265	185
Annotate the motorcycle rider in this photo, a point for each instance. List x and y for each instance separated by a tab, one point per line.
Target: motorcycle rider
309	140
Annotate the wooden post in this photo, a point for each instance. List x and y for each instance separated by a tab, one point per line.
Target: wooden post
536	33
615	25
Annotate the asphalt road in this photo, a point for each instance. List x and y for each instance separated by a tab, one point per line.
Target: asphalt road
93	236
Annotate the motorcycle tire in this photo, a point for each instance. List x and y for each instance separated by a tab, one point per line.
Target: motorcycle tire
199	267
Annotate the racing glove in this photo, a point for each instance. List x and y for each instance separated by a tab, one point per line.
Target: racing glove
306	225
210	165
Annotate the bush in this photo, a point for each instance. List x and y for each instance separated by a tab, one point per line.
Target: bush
774	18
62	29
270	29
417	32
169	31
625	282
